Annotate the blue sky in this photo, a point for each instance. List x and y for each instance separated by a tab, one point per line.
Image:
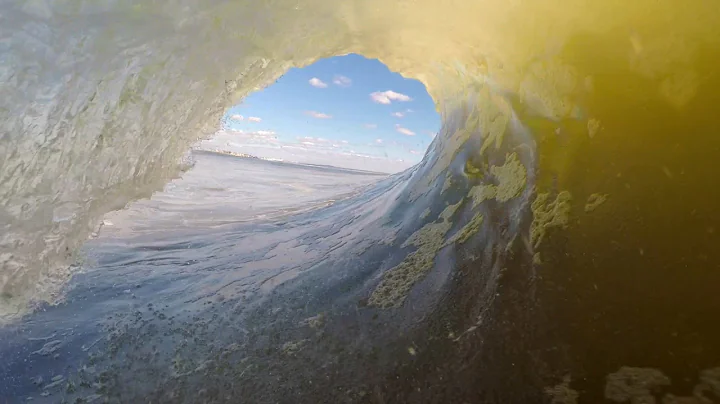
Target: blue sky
347	104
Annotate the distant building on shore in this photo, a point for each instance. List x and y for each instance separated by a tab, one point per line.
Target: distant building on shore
241	155
234	154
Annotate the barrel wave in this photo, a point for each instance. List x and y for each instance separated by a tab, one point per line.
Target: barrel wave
557	243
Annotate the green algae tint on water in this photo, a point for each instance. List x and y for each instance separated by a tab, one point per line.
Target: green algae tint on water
558	243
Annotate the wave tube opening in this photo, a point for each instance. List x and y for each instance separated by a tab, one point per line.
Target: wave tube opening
347	111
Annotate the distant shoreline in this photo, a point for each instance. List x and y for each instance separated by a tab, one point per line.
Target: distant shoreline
241	155
304	165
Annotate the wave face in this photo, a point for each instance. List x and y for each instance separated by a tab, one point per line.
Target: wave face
557	243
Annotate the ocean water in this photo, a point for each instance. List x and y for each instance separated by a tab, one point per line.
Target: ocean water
215	244
222	189
556	244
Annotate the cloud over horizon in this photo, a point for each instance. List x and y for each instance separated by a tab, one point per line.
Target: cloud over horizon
404	131
387	97
318	115
313	140
317	83
342	81
305	149
260	137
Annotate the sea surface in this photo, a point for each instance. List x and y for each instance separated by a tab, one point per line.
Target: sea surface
222	189
176	275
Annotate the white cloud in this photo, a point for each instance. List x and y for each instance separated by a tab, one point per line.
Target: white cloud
398	114
344	142
404	131
342	81
254	119
371	126
236	117
409	111
316	82
239	138
312	139
260	136
318	115
414	152
379	141
387	97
